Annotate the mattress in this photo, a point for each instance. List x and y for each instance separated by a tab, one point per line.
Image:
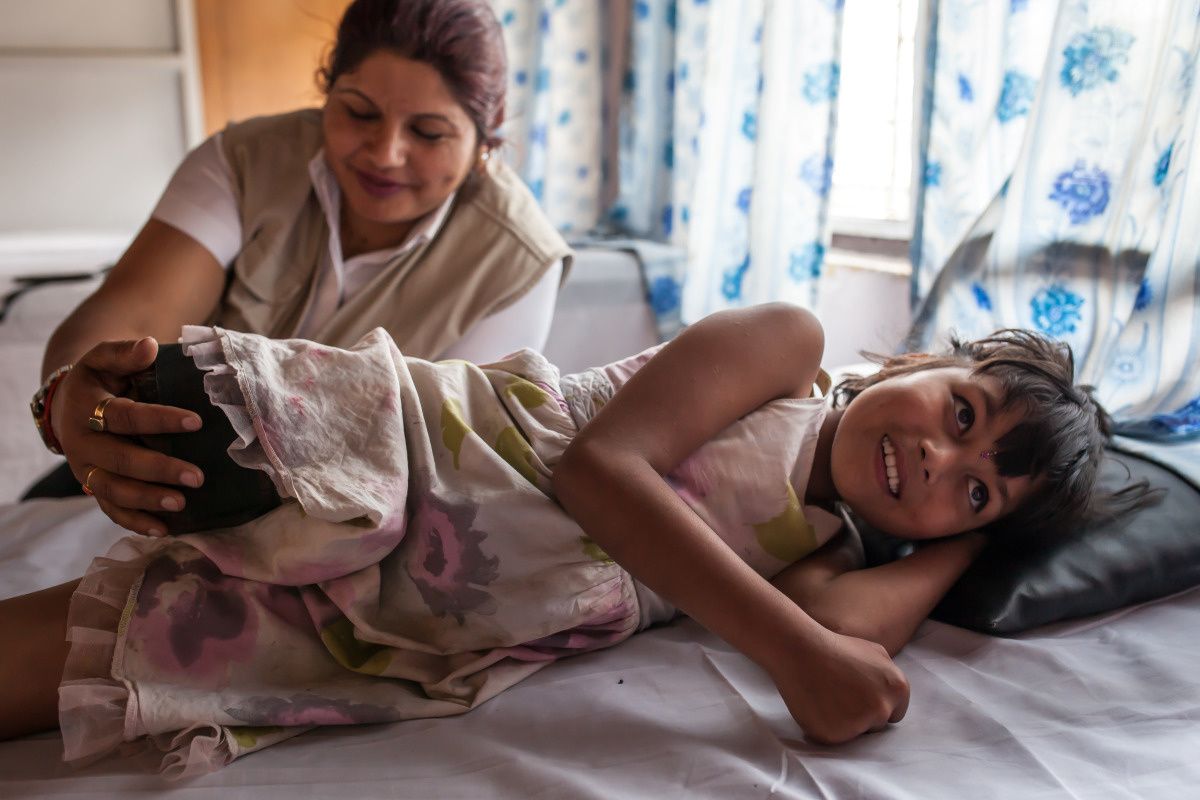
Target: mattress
1106	707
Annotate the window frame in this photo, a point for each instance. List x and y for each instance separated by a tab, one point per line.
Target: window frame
883	244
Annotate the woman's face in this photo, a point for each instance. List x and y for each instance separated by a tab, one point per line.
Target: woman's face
911	454
397	141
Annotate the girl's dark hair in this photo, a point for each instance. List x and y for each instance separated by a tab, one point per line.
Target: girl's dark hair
1059	442
461	39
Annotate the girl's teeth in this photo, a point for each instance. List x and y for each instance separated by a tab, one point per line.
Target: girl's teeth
889	460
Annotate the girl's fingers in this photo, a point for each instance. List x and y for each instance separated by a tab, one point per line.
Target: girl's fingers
129	495
125	417
121	358
900	710
136	521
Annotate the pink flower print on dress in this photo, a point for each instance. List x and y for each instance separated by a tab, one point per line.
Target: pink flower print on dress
446	560
285	603
607	628
190	617
383	539
307	710
313	349
555	395
692	480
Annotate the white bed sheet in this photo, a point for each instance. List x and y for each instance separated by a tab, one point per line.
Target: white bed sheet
1108	707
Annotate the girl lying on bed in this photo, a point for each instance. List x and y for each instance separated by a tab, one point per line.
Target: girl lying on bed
448	529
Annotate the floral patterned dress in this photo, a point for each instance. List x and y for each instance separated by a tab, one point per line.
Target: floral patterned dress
418	566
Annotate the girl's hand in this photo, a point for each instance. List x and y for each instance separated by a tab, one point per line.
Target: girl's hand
121	474
845	688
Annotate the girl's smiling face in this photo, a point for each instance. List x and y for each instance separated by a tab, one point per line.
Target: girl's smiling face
911	454
398	143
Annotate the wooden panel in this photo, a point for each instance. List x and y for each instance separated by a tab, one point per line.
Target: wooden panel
262	57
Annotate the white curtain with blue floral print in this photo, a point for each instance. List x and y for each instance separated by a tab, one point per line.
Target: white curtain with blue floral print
724	132
726	147
1091	233
989	58
553	131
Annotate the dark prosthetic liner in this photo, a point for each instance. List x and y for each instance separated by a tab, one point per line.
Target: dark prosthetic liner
231	494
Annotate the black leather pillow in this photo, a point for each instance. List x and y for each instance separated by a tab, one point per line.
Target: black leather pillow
1145	554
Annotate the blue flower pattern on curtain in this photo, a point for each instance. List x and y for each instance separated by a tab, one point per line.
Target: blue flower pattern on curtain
556	89
1090	236
723	124
1082	191
1093	57
973	143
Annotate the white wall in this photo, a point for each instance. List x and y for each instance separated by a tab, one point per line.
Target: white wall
602	315
861	309
98	103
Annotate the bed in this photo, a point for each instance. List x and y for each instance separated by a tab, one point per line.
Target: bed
1102	707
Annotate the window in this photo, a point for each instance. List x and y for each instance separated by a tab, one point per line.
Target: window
872	194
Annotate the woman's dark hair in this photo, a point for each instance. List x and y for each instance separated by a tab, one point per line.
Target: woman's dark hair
1060	440
461	39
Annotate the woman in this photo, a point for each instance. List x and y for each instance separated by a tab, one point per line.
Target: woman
384	208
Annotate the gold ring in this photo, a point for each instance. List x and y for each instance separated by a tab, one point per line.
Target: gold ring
96	420
87	481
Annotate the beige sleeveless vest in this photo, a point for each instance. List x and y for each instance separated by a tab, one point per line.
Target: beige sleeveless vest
492	248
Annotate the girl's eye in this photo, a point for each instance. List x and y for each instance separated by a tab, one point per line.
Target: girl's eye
977	493
430	136
964	414
361	115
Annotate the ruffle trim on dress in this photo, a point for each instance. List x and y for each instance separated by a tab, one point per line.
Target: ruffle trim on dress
586	393
206	347
99	714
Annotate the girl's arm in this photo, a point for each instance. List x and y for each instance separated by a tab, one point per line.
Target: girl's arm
610	480
883	604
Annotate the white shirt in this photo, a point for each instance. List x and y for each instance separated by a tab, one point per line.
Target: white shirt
200	202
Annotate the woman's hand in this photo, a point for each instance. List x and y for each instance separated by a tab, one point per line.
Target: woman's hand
123	476
842	689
